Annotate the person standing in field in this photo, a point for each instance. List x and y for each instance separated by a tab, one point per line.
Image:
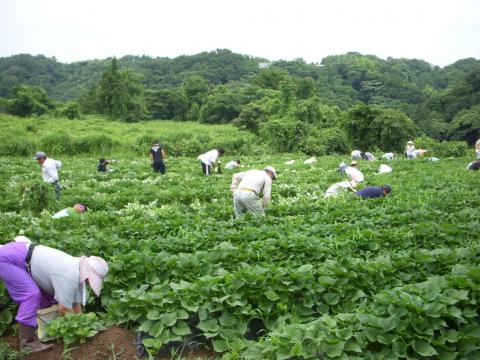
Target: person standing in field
247	187
409	148
38	276
209	160
157	157
49	170
477	148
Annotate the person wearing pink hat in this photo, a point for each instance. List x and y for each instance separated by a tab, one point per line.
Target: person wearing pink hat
38	276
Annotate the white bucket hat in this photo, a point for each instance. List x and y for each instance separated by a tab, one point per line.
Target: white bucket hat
272	170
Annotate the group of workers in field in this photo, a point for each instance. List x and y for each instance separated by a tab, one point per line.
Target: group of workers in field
34	281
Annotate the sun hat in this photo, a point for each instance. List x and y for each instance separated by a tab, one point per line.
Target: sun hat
272	170
353	163
410	142
39	155
22	239
93	269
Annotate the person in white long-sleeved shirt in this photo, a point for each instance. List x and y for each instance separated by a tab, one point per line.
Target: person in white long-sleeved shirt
231	165
210	159
49	170
352	172
247	187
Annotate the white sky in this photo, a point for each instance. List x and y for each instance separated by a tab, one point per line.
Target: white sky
437	31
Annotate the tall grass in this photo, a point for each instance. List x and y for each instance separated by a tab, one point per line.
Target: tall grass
98	136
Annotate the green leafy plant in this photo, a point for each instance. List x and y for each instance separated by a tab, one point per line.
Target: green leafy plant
73	328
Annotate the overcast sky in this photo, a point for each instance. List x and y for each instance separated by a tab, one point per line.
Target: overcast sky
438	31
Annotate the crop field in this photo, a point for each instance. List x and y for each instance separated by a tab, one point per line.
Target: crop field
341	278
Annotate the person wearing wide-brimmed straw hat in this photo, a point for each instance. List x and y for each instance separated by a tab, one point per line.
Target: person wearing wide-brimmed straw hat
38	276
409	148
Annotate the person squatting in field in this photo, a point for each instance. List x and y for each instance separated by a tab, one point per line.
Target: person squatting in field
210	159
73	211
157	157
247	187
38	276
49	170
103	163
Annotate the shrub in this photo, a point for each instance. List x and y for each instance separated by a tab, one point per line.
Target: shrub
57	143
94	144
16	145
442	149
36	196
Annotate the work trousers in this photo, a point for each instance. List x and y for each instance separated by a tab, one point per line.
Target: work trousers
247	201
20	285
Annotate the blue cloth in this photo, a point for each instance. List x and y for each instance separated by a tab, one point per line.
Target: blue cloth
370	192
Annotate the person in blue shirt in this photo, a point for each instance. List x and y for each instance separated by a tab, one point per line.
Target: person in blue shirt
374	191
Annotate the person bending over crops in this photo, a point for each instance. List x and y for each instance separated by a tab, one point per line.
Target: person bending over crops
374	191
474	165
49	170
356	155
368	156
157	156
247	187
74	211
352	171
38	276
209	160
231	165
339	188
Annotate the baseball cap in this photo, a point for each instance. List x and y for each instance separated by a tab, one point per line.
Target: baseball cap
39	154
272	170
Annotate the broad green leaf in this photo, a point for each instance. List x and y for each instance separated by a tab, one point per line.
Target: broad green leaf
423	348
181	328
210	325
220	346
169	319
153	315
157	329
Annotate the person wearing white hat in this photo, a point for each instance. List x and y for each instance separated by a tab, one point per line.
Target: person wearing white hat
34	281
247	187
409	148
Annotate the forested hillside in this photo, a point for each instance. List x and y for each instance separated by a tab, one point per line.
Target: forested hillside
291	105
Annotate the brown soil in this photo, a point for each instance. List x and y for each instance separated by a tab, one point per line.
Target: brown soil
114	343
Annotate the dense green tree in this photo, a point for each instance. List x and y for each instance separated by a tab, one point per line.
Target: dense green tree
120	94
466	125
28	100
167	104
221	106
373	125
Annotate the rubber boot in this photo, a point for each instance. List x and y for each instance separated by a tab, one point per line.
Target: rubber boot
28	339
